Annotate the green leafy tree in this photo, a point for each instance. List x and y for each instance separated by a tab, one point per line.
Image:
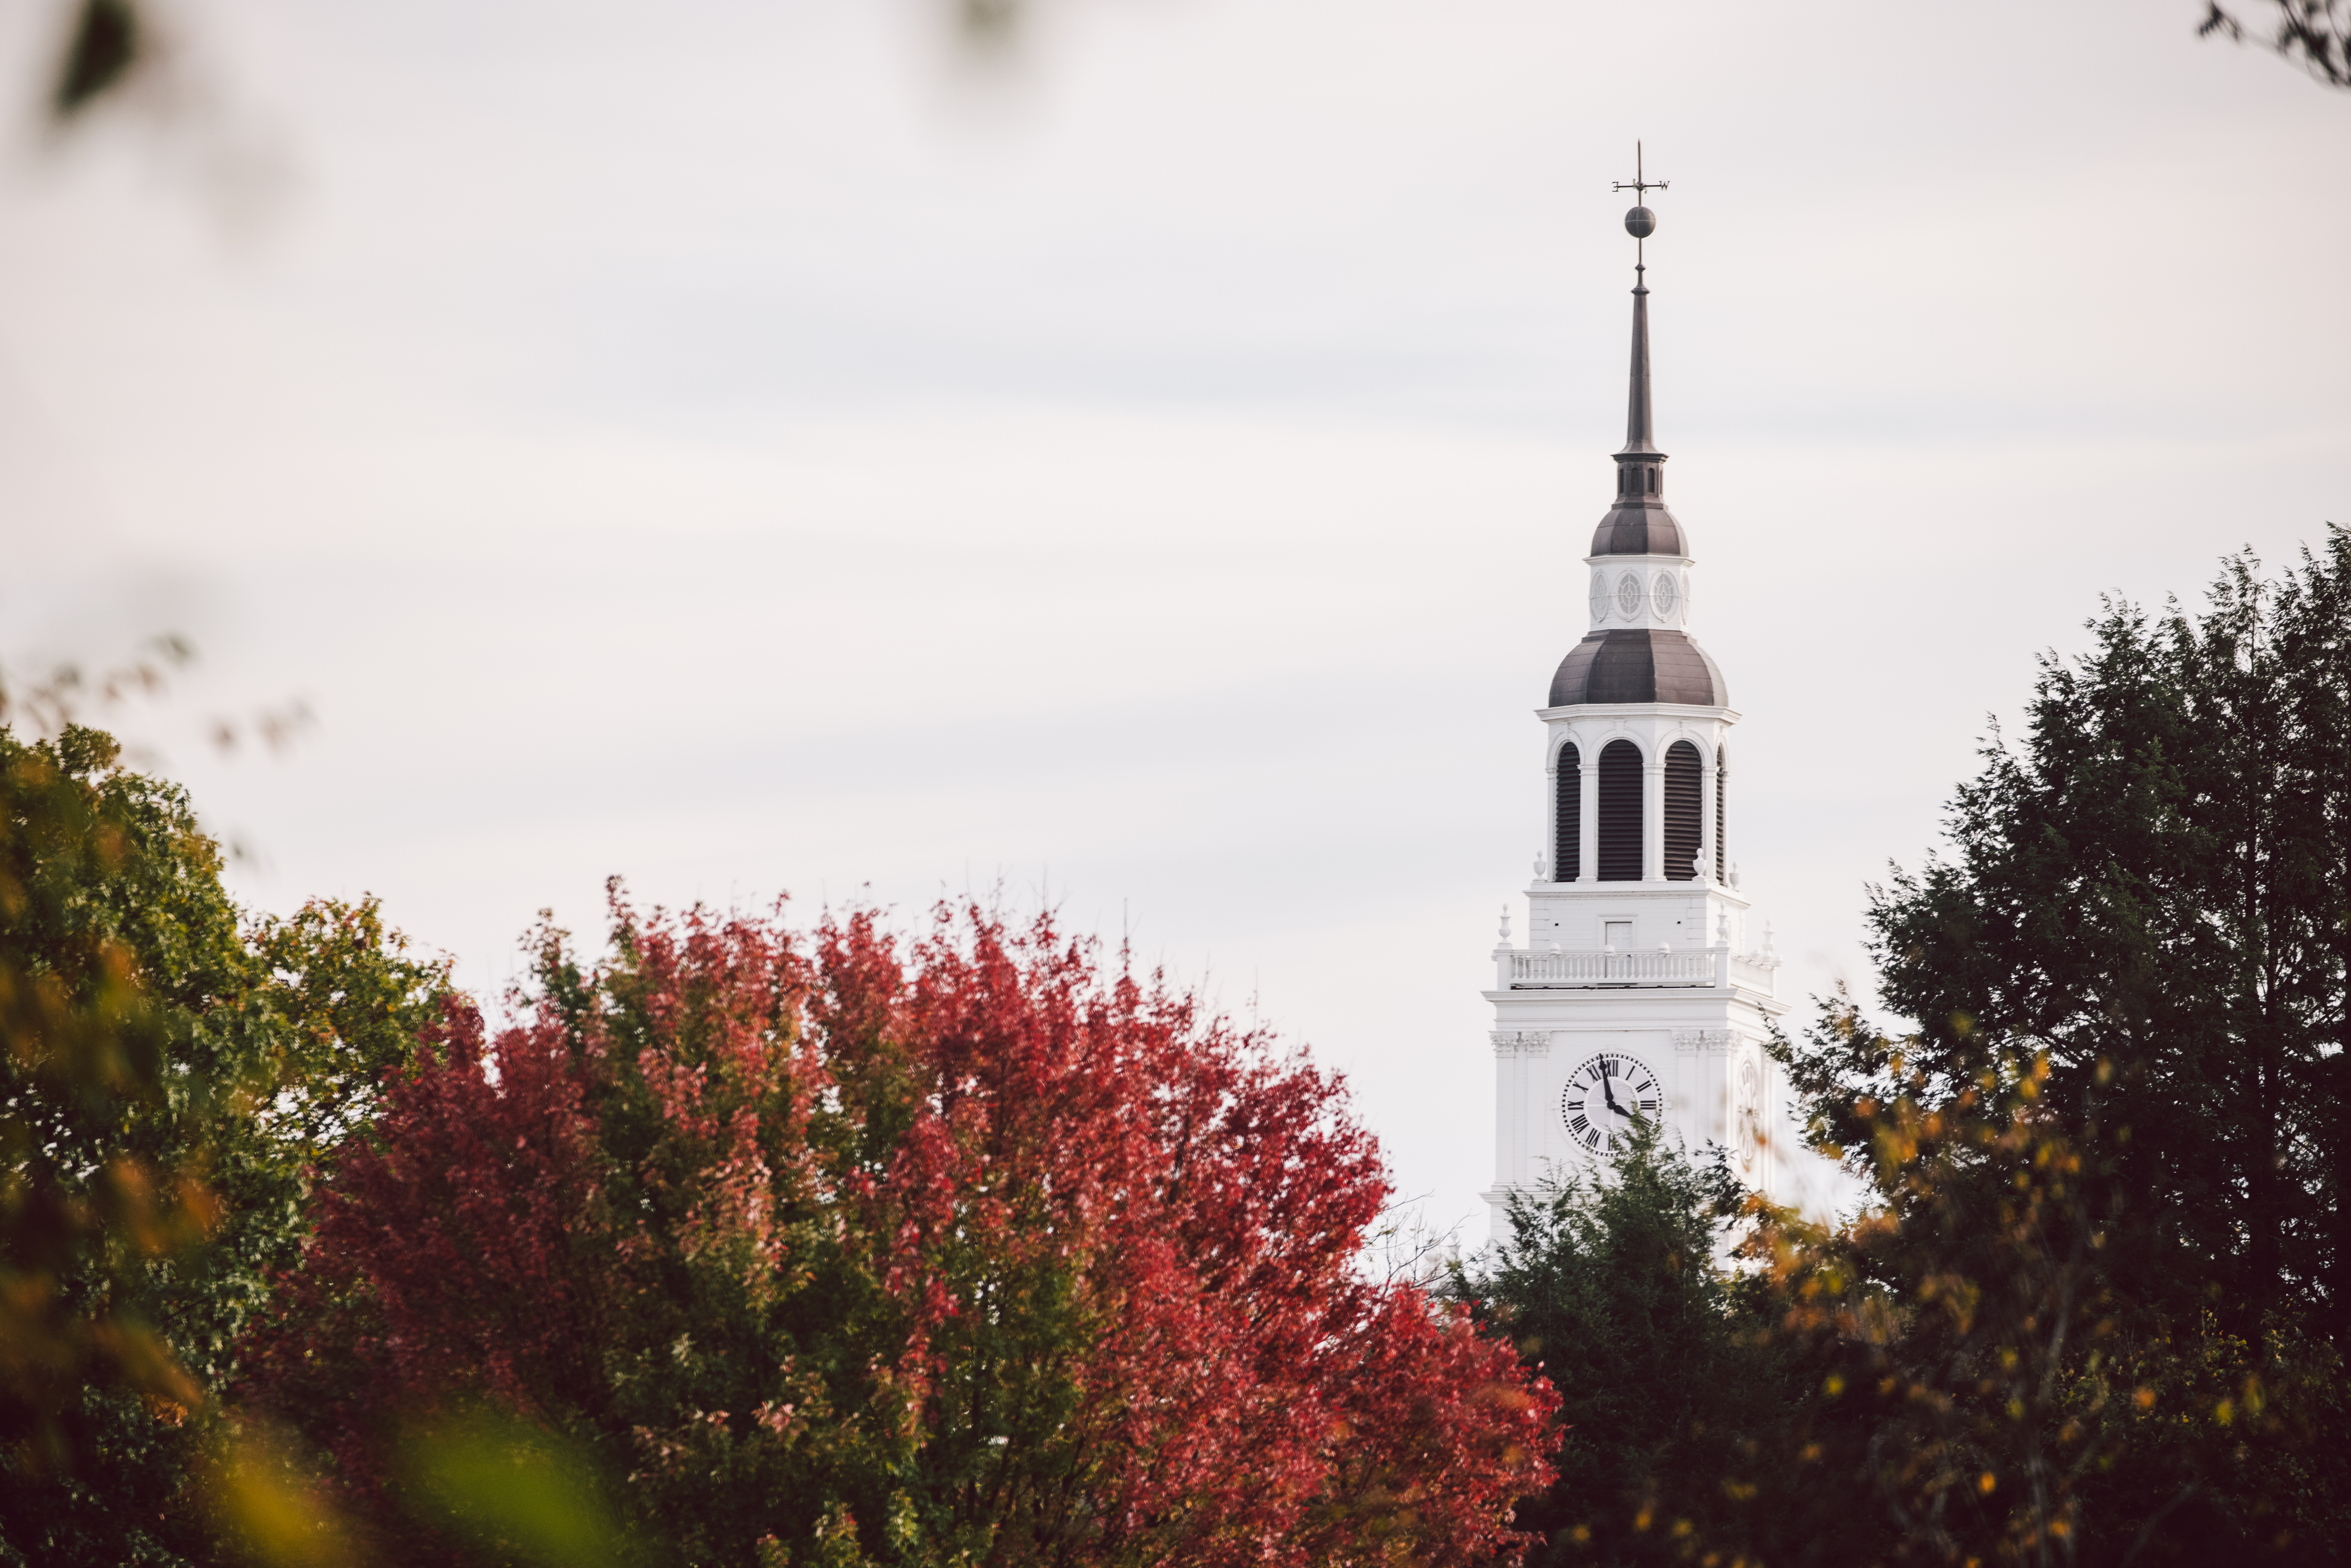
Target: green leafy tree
2101	1277
170	1074
2150	894
1673	1396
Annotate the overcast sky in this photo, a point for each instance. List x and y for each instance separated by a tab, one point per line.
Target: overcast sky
749	447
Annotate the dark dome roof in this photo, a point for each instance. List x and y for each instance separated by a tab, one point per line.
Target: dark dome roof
1635	665
1638	528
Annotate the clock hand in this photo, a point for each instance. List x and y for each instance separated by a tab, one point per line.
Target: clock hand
1608	1092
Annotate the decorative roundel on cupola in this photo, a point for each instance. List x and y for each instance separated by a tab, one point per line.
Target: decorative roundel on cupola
1599	596
1667	594
1628	596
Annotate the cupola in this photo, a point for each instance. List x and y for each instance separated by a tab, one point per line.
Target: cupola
1638	650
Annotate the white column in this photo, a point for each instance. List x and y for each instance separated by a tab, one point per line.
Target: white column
1521	1166
1721	783
1504	1114
1705	827
1550	829
1653	820
1588	819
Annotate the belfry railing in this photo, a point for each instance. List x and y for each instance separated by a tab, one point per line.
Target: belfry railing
1538	968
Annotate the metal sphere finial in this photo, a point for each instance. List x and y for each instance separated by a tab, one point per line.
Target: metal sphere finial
1640	223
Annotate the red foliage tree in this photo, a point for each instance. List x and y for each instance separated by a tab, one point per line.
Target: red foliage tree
965	1250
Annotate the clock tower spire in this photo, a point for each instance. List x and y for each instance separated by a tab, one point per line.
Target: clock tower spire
1642	991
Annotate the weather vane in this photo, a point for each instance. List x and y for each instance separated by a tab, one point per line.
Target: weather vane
1640	223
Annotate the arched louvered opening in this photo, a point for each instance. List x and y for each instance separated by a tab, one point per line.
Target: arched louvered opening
1620	812
1685	810
1721	790
1567	848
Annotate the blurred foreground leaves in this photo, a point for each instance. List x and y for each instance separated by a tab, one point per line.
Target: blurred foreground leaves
110	43
105	45
487	1486
512	1490
2313	33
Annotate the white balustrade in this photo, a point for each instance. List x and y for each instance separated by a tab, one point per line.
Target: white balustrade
1525	969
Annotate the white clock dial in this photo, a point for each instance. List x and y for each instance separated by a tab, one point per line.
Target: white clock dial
1629	595
1599	596
1668	595
1603	1096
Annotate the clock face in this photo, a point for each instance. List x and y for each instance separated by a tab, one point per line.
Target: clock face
1603	1094
1629	595
1667	593
1599	596
1751	1113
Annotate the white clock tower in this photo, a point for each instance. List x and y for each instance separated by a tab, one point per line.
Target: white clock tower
1642	989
